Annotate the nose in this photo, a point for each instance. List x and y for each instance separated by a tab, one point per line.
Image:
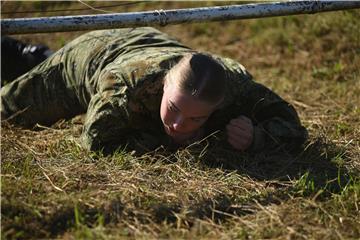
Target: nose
178	123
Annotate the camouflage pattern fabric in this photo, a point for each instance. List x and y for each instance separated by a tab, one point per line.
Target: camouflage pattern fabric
116	77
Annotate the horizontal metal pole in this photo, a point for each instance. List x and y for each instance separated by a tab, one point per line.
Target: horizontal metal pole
162	18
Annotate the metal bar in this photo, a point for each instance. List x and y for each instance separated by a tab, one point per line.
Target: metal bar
162	18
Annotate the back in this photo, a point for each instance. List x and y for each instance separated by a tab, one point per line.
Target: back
86	57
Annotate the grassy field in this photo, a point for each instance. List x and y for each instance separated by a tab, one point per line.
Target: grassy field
52	188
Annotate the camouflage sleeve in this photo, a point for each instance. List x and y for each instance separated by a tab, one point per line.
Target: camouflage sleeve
276	122
124	110
107	117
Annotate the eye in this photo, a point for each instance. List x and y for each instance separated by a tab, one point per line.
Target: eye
171	108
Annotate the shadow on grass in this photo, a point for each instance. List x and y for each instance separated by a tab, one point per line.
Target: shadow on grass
317	170
29	224
319	165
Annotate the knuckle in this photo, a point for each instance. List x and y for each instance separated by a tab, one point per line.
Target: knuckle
229	129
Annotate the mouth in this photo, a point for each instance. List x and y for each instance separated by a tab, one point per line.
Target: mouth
170	130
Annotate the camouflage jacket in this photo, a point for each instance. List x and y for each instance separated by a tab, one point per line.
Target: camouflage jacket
116	77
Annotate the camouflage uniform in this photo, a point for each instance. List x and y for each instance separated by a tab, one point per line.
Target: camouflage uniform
116	77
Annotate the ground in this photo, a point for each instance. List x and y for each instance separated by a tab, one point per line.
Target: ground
52	188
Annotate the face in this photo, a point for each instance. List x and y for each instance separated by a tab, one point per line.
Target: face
181	113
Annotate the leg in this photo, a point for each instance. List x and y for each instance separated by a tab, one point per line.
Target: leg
40	96
62	85
15	51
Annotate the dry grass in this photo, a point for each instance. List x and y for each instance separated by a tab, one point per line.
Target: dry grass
52	188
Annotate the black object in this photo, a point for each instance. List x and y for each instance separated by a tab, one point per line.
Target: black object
18	57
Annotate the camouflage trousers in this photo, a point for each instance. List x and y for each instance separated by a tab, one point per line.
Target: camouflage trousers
58	88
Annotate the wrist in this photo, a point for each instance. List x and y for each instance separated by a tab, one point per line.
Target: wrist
258	141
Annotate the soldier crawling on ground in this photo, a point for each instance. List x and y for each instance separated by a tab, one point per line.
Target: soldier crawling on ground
131	82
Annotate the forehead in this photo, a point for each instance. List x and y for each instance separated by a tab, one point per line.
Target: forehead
189	106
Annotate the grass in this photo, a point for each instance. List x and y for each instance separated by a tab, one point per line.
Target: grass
52	188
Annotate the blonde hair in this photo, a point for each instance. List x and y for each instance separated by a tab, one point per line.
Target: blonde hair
199	75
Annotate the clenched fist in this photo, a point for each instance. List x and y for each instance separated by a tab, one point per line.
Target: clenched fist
240	133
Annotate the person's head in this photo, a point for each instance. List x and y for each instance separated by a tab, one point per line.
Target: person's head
193	88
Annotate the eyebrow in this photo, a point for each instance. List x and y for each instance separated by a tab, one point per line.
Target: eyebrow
178	109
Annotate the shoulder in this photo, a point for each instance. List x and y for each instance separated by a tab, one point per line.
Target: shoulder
138	76
233	66
140	65
234	70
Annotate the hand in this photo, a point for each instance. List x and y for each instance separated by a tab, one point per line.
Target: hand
240	133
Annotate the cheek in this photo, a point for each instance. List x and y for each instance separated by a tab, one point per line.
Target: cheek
191	125
165	114
163	111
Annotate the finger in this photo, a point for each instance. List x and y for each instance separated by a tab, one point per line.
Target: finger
240	132
238	146
246	119
240	140
237	121
239	143
243	118
243	137
244	140
234	144
242	127
241	123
